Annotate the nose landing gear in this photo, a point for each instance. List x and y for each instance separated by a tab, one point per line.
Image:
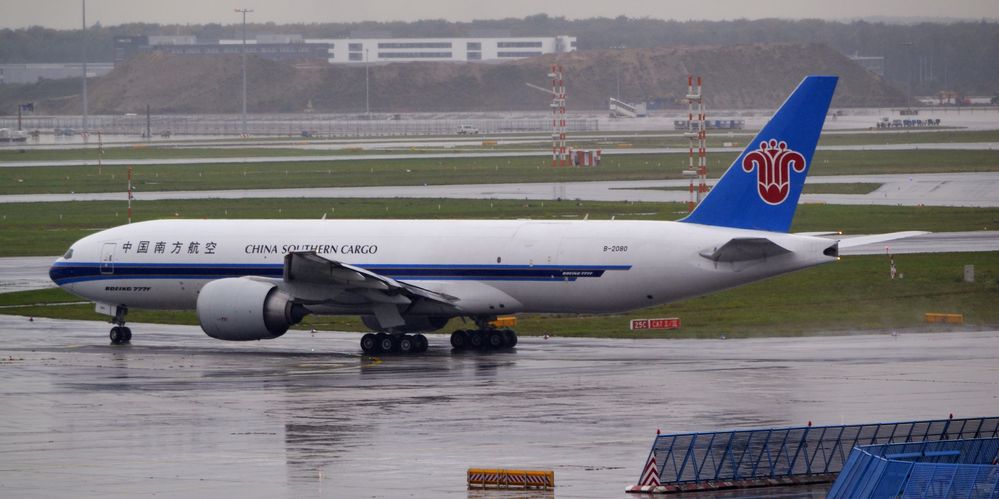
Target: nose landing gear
120	334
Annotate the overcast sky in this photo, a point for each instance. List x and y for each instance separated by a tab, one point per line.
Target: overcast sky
66	13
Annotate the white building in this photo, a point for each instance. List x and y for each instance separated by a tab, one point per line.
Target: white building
375	50
385	50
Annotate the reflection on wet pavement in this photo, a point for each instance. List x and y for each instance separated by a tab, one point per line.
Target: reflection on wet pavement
304	415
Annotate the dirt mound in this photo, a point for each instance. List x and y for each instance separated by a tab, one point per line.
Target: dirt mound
745	76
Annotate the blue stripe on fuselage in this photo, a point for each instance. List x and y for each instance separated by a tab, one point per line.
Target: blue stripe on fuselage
70	272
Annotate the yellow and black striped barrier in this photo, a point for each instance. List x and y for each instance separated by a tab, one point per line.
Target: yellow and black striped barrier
500	478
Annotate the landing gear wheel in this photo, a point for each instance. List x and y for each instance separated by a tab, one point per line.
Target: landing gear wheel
385	342
117	335
510	338
421	343
459	339
476	339
494	339
369	344
406	343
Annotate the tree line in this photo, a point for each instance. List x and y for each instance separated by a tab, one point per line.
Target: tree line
928	57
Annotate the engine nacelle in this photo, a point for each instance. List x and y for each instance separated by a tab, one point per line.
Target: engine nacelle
414	323
241	309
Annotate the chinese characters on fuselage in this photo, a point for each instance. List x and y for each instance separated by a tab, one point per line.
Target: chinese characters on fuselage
172	248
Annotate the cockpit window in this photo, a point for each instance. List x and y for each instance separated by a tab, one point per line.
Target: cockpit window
68	255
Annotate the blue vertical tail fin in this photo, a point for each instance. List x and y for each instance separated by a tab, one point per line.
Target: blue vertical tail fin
761	188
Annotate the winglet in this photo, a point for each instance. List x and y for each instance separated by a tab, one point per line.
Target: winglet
760	190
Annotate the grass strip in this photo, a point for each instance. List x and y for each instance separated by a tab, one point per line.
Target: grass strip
850	296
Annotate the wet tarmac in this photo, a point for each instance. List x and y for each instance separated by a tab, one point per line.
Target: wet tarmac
179	414
843	120
451	143
977	189
23	273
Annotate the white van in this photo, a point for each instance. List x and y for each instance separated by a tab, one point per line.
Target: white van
467	130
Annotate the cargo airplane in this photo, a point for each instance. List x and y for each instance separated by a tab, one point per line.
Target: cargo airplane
254	279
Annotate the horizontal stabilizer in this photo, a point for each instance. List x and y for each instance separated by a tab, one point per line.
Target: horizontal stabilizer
851	242
819	234
743	249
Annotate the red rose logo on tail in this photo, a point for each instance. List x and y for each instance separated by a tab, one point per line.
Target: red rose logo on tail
773	162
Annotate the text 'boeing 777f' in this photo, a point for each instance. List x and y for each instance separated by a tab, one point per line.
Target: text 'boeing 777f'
253	279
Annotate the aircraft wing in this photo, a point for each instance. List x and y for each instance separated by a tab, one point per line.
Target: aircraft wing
312	278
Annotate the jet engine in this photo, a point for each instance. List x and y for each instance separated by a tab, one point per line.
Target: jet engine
414	323
241	309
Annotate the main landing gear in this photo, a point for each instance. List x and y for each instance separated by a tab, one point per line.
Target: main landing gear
376	343
483	339
119	333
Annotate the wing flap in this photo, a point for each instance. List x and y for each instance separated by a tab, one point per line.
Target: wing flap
310	268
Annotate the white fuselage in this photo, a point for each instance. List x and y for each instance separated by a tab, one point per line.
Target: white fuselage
492	267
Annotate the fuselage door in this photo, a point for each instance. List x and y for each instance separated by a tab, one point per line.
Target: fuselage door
537	243
107	258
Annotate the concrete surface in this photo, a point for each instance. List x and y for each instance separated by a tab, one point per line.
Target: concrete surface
979	189
449	143
24	273
179	414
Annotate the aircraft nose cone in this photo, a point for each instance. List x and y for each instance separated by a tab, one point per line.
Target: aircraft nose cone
57	272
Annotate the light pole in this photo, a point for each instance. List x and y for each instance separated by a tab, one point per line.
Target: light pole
908	73
243	51
367	102
84	66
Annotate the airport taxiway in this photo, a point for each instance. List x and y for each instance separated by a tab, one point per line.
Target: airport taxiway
23	273
179	414
974	189
460	154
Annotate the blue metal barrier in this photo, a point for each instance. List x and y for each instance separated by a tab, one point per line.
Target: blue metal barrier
691	461
941	469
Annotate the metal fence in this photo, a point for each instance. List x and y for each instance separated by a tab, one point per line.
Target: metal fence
942	469
289	125
744	455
